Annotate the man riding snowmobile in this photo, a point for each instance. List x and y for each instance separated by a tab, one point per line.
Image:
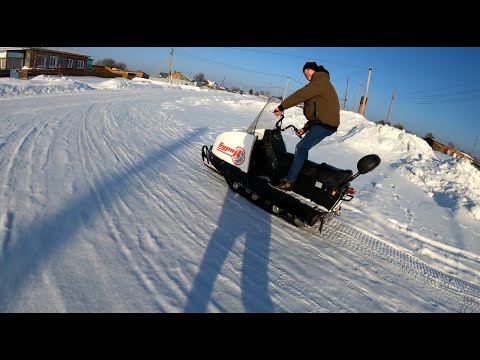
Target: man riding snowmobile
252	161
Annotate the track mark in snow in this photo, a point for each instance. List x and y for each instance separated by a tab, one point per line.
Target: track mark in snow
459	294
15	154
398	224
6	231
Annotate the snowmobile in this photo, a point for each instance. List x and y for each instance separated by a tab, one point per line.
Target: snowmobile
253	161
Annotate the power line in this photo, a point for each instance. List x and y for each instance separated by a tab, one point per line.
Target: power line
445	99
442	88
356	97
210	61
440	96
298	82
160	66
456	93
298	56
186	54
285	93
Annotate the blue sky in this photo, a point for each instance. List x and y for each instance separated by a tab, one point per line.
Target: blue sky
437	89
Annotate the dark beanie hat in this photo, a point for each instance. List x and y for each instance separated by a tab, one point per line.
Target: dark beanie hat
310	65
322	69
313	65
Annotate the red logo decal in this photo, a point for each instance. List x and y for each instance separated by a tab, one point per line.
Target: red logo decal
237	154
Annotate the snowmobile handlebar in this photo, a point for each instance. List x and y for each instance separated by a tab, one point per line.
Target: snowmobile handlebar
294	128
278	125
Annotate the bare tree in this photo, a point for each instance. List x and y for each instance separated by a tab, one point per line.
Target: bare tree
200	78
111	63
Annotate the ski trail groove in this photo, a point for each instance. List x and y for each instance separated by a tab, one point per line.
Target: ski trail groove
459	291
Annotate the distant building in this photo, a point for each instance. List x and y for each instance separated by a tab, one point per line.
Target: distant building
43	60
177	78
108	72
34	61
12	58
445	149
211	84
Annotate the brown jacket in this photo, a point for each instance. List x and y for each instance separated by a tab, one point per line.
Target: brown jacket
321	104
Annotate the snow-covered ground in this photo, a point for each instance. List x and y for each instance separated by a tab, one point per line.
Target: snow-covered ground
107	207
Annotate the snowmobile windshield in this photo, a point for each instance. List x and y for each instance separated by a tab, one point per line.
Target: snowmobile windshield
266	119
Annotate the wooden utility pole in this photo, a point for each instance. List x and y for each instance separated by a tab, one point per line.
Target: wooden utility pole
363	102
171	66
344	106
473	151
285	93
390	108
356	96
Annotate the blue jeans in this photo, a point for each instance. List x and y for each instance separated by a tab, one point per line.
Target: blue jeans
311	138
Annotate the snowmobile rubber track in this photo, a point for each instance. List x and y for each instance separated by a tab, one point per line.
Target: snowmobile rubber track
275	201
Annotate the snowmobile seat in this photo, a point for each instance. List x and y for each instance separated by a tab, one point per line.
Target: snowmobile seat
325	173
282	159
